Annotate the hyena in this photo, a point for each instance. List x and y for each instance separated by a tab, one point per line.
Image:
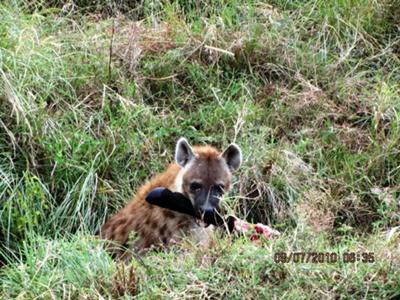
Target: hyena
201	173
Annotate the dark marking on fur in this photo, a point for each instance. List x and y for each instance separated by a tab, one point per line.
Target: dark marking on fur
153	224
182	224
119	222
168	214
124	231
168	233
163	229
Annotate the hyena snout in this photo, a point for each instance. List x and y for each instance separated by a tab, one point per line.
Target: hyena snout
207	200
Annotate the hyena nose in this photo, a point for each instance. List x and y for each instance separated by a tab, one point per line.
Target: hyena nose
207	208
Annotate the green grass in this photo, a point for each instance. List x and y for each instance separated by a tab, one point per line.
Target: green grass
308	89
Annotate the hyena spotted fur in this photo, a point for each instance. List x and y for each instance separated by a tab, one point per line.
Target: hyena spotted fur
201	173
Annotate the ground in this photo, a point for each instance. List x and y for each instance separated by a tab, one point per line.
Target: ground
94	95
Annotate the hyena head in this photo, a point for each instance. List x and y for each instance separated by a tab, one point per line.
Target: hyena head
205	173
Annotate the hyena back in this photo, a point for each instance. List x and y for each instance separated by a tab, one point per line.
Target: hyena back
201	173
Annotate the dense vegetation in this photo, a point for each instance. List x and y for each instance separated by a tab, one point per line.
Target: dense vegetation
94	94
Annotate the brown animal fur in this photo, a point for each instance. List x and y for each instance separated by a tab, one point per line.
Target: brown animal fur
155	225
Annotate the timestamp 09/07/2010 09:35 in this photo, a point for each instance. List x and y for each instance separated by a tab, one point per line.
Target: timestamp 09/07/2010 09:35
324	257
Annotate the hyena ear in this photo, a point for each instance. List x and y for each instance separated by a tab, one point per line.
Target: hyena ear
183	152
232	156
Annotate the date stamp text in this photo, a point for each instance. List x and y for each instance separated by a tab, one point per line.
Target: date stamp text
323	257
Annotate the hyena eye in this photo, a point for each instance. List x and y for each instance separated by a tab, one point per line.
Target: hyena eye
219	188
195	186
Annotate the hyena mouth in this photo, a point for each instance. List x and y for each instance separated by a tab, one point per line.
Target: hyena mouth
210	216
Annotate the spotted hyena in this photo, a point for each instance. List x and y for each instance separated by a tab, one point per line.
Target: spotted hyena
201	173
